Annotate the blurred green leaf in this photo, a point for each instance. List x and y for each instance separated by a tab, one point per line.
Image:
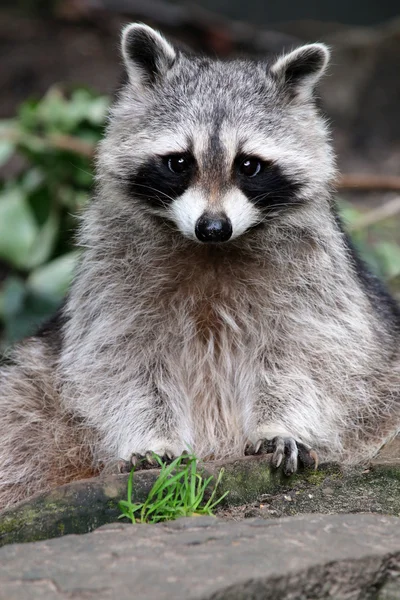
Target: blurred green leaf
18	229
98	111
45	240
27	114
12	294
71	198
53	113
53	279
37	208
33	179
83	177
34	311
389	255
349	213
7	149
42	203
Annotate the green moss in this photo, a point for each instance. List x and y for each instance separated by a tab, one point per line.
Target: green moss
318	476
13	522
61	528
246	484
31	520
386	471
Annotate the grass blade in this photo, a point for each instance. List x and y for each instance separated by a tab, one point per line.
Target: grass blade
178	491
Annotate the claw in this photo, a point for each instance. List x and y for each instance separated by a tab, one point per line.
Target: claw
286	452
279	451
257	446
136	460
149	456
123	466
145	461
251	449
314	456
291	451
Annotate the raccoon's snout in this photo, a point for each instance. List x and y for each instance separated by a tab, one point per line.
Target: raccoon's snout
213	228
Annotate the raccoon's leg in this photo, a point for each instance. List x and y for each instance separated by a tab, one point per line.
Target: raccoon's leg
41	446
132	430
140	422
141	455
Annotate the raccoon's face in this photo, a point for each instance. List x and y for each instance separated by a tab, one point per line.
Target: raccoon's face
217	148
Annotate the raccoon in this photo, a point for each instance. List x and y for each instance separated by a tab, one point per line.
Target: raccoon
218	305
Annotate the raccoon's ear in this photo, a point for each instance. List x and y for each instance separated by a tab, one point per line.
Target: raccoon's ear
300	70
147	54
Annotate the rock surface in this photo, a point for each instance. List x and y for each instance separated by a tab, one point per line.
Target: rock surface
255	490
82	506
375	489
349	557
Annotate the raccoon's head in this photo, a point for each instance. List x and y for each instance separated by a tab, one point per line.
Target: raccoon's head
215	147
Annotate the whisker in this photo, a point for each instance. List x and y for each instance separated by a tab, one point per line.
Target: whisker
155	190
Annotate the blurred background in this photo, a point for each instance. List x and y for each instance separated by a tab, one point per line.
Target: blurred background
60	67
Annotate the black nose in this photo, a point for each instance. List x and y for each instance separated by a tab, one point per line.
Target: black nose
213	228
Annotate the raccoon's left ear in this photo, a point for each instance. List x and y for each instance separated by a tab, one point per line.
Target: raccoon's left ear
300	70
147	54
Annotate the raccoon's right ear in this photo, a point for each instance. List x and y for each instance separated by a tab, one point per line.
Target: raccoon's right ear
299	71
147	54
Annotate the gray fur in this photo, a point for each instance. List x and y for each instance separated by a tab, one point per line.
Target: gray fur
169	343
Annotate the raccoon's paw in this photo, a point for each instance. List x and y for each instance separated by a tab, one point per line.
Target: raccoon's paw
140	462
286	452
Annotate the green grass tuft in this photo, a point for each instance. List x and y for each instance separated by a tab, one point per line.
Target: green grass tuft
178	492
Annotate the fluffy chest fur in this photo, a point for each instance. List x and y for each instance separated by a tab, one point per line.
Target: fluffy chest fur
207	343
224	338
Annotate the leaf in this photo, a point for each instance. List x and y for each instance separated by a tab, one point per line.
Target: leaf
389	255
52	111
18	229
7	149
27	114
53	279
28	313
348	212
33	179
71	198
41	202
12	294
98	110
44	243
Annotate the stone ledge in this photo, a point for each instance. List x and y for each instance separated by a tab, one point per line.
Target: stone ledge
82	506
345	557
254	487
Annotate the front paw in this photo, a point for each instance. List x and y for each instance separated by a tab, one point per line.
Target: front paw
286	452
148	460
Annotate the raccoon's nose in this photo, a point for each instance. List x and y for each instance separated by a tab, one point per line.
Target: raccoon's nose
213	228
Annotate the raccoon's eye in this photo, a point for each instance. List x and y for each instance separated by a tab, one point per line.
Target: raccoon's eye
250	167
178	163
